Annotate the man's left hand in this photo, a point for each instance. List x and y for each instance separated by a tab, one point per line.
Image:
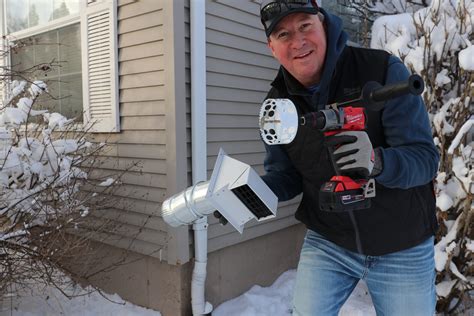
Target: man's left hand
353	153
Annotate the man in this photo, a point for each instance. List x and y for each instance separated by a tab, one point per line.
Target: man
389	245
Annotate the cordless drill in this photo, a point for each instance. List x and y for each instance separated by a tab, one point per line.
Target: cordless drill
279	123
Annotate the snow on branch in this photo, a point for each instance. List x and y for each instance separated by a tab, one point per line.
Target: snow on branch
465	128
52	193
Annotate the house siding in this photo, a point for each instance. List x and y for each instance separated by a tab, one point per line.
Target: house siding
240	69
155	113
141	147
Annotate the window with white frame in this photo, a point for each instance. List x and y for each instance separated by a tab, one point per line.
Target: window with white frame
24	14
78	38
60	47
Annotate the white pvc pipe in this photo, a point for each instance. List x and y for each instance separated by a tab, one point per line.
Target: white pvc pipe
198	283
199	146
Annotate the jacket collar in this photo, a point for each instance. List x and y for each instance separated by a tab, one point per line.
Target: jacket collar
284	81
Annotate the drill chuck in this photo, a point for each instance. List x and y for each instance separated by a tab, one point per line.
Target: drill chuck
323	120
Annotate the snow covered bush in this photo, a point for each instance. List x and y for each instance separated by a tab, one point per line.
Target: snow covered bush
434	39
362	14
46	191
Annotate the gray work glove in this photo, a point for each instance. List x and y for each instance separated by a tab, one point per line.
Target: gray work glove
353	154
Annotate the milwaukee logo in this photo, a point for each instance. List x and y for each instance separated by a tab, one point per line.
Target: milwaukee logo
354	118
351	91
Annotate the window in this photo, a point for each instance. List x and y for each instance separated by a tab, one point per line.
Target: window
358	32
24	14
61	46
79	37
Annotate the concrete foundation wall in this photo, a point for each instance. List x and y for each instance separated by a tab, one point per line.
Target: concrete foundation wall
143	280
231	271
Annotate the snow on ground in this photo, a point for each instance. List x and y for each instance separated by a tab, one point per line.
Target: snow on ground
274	300
50	302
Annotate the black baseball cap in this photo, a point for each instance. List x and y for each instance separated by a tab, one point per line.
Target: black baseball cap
272	11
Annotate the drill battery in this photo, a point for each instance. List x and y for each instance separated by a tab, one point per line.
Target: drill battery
342	194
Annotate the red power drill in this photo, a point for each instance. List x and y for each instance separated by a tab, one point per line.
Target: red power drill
341	193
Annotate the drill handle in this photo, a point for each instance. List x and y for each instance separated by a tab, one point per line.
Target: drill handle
374	95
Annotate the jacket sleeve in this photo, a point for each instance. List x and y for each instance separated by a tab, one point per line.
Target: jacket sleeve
281	176
411	158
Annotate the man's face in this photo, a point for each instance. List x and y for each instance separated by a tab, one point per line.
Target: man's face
298	42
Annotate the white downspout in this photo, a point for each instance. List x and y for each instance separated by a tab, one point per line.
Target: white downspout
199	146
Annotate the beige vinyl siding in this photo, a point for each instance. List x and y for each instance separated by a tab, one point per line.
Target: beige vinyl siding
155	116
240	69
154	62
143	137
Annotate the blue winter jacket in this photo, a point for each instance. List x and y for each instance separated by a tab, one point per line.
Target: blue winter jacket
411	158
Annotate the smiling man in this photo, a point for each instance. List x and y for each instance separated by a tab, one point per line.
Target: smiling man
298	42
390	244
